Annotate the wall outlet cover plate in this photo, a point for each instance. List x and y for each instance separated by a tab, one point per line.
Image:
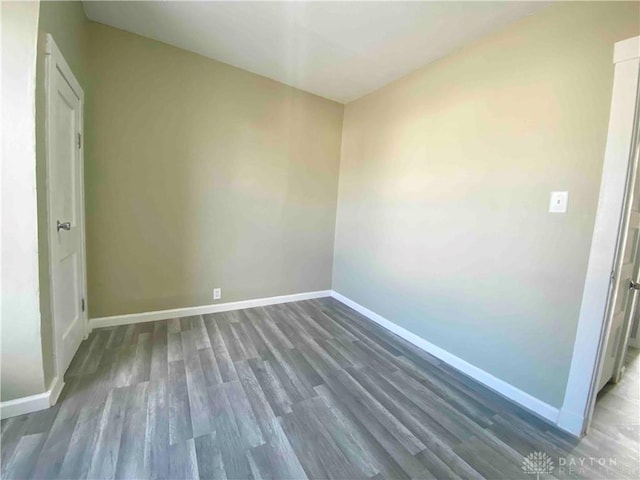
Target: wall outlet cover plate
558	202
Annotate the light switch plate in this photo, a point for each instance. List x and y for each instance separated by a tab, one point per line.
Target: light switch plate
558	202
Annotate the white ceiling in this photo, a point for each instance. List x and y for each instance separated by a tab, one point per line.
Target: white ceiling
338	50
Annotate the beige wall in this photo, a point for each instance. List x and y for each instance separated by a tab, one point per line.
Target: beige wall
21	362
203	175
444	187
67	23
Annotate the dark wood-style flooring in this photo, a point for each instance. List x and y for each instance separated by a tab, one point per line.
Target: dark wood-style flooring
301	390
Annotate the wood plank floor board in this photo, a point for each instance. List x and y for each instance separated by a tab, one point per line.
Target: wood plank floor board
128	335
159	352
156	435
393	425
350	351
318	316
180	422
75	367
173	325
301	440
21	462
282	459
104	459
202	338
343	436
41	421
296	386
77	459
13	430
174	346
310	389
209	458
338	356
274	392
220	350
334	460
229	440
435	408
58	438
141	371
95	352
256	340
398	463
230	338
132	443
246	422
116	337
420	424
289	325
197	391
245	335
210	366
259	463
304	370
270	334
398	446
183	461
313	328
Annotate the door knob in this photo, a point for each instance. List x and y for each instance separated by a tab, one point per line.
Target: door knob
634	285
63	226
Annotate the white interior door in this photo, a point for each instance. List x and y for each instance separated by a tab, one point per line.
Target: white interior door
65	203
626	282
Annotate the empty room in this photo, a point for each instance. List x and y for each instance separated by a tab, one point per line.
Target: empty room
320	240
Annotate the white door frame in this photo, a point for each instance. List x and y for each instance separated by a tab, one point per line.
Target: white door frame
593	323
55	61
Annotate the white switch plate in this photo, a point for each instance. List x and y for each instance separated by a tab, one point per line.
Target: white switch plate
558	202
217	293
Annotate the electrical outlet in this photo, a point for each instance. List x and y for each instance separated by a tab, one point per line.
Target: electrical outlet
217	293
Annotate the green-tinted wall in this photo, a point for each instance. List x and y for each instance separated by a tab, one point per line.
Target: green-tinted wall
444	190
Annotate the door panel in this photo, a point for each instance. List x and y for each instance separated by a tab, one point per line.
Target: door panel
64	203
624	296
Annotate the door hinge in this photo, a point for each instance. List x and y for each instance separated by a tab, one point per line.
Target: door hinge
82	304
79	140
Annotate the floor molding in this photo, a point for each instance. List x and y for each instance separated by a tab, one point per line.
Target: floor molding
201	310
571	422
32	403
531	403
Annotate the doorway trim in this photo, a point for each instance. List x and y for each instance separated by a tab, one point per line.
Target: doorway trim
594	322
55	61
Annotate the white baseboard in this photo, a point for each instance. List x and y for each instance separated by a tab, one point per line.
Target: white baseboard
571	422
32	403
201	310
55	390
501	387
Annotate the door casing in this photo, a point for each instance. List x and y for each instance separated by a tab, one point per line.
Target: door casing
55	61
